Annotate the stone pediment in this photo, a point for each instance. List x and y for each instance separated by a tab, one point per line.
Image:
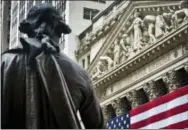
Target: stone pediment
133	34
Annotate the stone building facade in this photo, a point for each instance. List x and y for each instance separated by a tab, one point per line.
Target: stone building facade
137	52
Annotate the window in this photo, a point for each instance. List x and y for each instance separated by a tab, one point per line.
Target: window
29	5
60	5
100	1
90	13
14	15
48	1
88	60
83	63
38	2
22	11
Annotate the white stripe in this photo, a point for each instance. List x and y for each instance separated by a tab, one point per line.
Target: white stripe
168	121
161	108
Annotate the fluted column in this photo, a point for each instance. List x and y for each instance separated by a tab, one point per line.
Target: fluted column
152	90
119	106
135	98
171	80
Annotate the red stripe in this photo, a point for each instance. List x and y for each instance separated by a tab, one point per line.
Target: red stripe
161	116
179	125
161	100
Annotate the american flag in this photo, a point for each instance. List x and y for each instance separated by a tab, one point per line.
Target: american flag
166	112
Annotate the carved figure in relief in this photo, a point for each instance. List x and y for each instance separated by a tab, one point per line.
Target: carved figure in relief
149	21
160	25
116	52
125	48
182	14
137	28
98	71
110	62
169	19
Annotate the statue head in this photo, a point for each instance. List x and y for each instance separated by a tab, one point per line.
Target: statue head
44	19
137	14
184	4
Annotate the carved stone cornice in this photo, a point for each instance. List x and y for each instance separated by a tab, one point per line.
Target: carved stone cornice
162	46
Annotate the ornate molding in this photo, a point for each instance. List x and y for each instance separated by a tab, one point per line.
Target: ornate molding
126	18
162	46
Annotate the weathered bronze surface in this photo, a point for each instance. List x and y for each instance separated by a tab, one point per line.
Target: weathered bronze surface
42	88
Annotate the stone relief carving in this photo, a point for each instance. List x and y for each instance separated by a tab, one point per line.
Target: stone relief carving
98	71
108	60
181	15
149	21
141	31
116	52
171	80
118	106
152	91
136	27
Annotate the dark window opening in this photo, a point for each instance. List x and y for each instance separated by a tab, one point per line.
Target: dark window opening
38	2
182	77
88	59
126	104
89	13
142	95
83	63
111	111
161	86
29	5
99	1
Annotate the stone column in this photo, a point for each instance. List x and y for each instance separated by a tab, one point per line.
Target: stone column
152	90
106	113
171	80
135	98
119	106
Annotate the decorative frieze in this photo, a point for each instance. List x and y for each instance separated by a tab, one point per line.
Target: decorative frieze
143	31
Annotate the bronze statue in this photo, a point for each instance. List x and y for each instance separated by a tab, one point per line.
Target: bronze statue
42	88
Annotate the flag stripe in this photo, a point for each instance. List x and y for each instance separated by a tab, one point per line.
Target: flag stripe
159	101
159	109
161	116
179	125
168	121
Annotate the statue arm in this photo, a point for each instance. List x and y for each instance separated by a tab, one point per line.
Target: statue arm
91	112
130	29
123	46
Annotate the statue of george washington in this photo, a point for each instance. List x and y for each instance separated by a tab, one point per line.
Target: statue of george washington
42	88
